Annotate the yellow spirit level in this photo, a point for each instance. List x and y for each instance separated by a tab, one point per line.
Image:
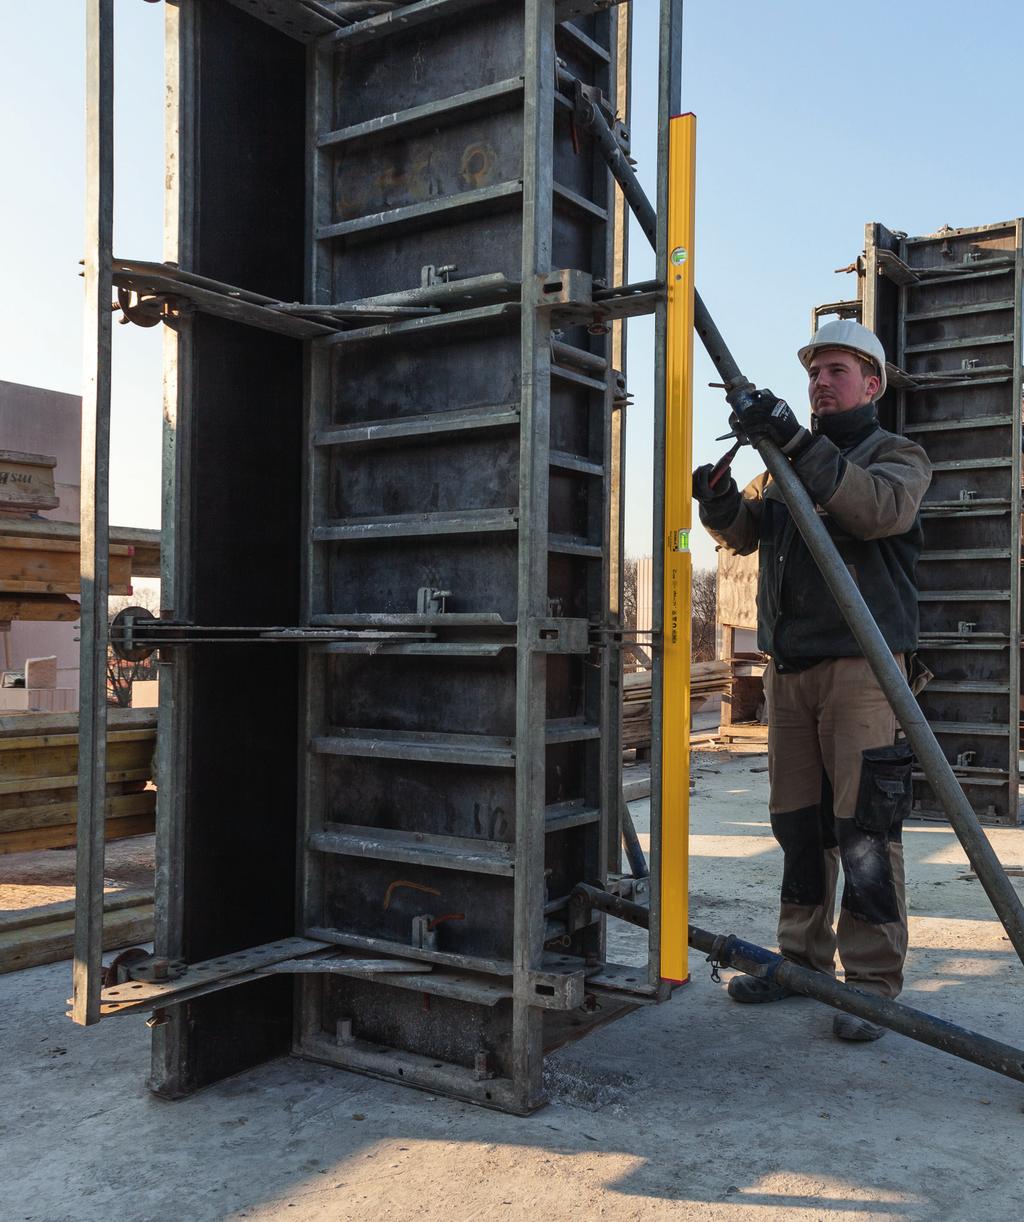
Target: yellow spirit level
675	736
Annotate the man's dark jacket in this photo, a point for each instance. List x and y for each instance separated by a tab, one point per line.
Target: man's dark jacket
868	485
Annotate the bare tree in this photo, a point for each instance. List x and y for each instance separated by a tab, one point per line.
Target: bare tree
629	592
704	611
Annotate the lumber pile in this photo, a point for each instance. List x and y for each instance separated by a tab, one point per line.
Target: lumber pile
33	936
743	707
39	566
751	732
636	711
706	679
39	778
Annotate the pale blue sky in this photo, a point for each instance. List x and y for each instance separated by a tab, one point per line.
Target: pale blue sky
813	118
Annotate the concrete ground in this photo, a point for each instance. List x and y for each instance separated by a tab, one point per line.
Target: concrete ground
696	1109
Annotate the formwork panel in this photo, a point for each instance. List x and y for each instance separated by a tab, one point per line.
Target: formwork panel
235	521
472	803
371	580
387	263
953	317
480	483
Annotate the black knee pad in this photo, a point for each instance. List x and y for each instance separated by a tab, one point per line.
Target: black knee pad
799	832
883	802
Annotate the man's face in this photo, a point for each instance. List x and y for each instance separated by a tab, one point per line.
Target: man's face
839	382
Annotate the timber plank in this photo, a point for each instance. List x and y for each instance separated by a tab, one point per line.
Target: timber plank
113	901
52	608
53	814
36	724
61	761
53	940
52	566
144	544
33	839
26	784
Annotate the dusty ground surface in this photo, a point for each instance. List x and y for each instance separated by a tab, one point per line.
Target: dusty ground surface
29	880
697	1109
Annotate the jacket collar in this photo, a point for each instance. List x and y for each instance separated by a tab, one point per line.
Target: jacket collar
846	429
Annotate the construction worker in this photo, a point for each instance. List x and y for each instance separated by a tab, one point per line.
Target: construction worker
840	782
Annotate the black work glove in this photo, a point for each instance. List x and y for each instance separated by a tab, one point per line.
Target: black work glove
702	490
771	417
719	505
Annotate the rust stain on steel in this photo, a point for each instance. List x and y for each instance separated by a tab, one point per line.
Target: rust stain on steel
478	164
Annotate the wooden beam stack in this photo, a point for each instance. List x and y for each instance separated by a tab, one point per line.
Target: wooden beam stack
706	679
31	936
39	778
39	566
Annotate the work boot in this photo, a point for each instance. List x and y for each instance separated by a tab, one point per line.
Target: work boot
850	1027
752	990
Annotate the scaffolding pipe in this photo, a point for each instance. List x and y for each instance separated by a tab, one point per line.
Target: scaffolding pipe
729	951
852	606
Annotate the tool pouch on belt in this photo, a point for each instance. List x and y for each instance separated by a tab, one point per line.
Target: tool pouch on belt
883	802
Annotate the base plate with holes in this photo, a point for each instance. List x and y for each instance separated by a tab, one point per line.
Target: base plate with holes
198	978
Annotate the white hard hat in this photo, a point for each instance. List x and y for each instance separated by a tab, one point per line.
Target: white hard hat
845	333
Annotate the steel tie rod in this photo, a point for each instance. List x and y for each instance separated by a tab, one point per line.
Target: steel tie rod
887	671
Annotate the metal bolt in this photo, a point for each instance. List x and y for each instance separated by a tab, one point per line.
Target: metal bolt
482	1069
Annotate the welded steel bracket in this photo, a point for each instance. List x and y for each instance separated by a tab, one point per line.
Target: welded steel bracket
153	984
572	297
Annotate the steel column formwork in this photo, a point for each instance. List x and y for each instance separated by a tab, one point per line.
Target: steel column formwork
393	420
948	307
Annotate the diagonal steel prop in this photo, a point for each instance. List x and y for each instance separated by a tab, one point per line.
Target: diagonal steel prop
726	950
887	671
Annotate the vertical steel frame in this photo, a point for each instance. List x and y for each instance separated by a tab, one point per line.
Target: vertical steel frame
534	447
167	1072
617	427
95	482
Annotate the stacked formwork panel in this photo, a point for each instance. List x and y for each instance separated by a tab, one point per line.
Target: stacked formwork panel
390	692
948	308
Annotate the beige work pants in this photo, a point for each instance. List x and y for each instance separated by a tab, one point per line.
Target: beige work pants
820	722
